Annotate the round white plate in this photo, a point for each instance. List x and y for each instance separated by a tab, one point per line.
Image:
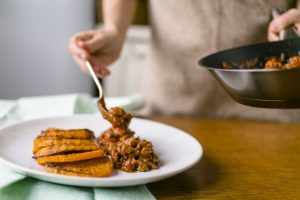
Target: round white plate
176	149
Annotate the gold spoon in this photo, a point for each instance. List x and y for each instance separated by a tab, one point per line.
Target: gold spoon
100	103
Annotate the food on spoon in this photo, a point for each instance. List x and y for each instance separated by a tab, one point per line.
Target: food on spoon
128	153
116	116
98	167
71	152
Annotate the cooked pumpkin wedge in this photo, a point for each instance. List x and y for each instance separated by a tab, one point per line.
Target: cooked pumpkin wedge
70	157
64	148
72	133
97	167
44	142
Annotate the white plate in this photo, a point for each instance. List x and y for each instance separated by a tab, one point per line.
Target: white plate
176	149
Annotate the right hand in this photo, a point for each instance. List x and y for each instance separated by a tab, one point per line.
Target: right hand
101	47
289	18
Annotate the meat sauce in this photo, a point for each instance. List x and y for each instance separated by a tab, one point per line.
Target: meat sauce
128	152
273	62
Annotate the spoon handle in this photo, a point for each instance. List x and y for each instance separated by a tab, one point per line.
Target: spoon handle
96	80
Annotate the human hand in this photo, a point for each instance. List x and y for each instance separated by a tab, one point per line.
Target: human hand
100	47
289	18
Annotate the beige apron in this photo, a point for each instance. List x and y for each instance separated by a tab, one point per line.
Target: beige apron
185	30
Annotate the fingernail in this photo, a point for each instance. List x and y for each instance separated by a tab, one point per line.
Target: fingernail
82	56
80	43
274	27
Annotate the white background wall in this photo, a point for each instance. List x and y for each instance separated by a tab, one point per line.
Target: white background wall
34	35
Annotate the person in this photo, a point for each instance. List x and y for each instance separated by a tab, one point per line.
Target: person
182	32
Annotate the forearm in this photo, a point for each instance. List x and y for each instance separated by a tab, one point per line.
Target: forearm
118	14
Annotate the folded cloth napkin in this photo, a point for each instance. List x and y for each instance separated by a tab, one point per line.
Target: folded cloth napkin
15	186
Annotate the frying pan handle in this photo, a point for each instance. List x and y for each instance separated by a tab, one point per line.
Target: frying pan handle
287	33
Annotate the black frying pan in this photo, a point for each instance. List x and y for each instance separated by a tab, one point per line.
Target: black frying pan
273	88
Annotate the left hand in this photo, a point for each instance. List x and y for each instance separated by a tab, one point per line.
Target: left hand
289	18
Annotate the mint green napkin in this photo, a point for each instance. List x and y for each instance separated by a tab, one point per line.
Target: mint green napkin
15	186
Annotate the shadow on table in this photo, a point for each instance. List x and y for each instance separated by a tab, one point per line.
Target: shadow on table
203	176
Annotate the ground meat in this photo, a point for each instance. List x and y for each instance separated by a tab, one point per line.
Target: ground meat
128	153
225	65
273	62
293	62
244	64
115	134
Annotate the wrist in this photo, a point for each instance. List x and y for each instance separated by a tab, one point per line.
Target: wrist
119	32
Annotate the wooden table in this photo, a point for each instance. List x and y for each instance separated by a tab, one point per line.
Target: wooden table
242	160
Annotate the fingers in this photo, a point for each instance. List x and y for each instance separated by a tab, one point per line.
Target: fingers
75	47
101	72
78	51
288	18
81	63
98	41
90	45
100	68
273	36
83	36
85	43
